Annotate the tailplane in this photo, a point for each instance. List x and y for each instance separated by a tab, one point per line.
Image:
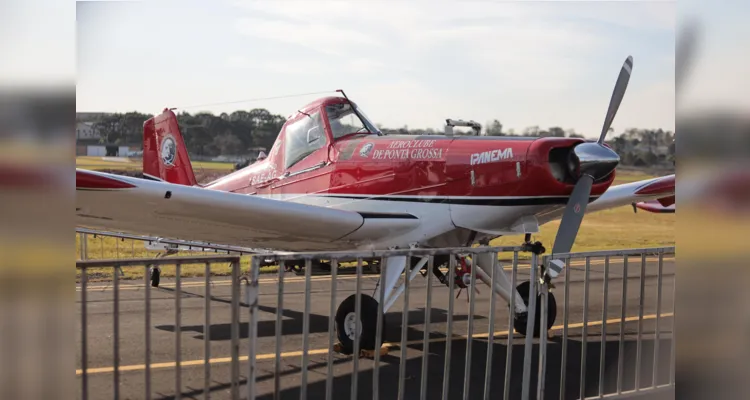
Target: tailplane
165	156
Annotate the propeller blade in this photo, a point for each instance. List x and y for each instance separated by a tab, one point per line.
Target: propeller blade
617	95
684	52
573	215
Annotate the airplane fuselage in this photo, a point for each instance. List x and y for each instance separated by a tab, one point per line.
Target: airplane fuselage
453	185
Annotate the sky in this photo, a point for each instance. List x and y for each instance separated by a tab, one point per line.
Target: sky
412	63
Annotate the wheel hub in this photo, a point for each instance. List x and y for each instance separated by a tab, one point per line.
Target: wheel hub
350	325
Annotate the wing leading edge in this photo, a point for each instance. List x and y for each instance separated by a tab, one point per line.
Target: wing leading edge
626	194
118	203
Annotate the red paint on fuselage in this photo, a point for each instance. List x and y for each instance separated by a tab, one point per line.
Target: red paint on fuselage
368	164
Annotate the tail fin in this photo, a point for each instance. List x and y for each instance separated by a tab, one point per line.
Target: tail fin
165	155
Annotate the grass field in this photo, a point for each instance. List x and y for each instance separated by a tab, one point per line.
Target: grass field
605	230
128	164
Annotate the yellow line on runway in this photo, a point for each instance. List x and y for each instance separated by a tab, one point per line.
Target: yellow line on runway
270	356
125	286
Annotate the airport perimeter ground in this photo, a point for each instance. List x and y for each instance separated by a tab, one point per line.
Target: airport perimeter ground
163	335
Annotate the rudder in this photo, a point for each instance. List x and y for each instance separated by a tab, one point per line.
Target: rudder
165	155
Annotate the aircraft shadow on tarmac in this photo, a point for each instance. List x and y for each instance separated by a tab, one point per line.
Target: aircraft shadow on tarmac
389	372
292	323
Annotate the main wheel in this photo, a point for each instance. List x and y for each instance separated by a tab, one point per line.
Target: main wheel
519	323
346	318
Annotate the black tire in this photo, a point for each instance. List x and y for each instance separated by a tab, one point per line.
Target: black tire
368	319
519	323
155	275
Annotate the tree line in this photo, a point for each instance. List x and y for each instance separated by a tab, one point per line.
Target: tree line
241	132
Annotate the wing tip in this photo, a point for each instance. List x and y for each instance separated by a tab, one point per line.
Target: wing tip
87	180
663	185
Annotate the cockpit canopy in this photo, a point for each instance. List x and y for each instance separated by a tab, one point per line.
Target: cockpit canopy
320	123
343	120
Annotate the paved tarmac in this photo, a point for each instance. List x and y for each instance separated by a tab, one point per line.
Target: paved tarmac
163	336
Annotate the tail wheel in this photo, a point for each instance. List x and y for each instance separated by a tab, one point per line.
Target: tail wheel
519	323
374	266
346	318
155	275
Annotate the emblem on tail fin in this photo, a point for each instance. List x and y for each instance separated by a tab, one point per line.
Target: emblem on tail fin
168	150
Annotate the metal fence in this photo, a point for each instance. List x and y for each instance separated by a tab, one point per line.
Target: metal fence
610	380
470	360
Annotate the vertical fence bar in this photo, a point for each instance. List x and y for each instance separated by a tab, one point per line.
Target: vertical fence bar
84	246
623	315
655	377
379	330
84	335
306	330
235	332
357	329
449	326
528	343
491	330
470	330
542	372
116	331
178	332
426	337
404	326
564	345
672	354
279	326
584	335
331	329
511	318
603	348
639	344
207	333
147	333
252	324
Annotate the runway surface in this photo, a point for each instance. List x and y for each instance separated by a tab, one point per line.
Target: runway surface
163	334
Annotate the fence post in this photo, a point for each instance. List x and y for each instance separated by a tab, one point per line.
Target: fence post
529	342
252	292
84	247
543	335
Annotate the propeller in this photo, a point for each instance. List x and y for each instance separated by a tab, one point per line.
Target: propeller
588	161
685	52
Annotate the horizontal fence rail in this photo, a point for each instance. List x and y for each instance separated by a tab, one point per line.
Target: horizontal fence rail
446	338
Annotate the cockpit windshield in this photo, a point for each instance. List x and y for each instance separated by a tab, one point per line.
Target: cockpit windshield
344	120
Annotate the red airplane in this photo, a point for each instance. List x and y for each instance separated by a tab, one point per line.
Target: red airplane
333	181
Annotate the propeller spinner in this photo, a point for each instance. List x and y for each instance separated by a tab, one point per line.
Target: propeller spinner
588	162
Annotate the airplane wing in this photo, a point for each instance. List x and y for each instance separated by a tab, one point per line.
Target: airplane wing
625	194
131	205
665	205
